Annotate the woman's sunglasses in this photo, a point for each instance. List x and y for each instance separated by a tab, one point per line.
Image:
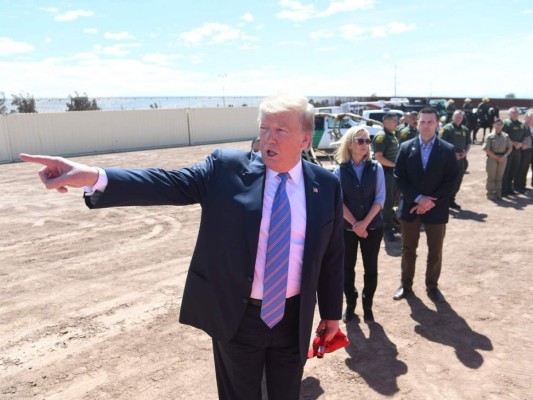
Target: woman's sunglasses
361	141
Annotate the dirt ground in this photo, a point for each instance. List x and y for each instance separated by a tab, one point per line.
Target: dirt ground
89	301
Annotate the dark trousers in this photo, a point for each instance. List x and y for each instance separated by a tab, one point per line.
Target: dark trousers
523	169
511	168
461	164
435	238
387	212
369	250
239	363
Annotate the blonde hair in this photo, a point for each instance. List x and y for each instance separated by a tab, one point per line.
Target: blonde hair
343	154
285	102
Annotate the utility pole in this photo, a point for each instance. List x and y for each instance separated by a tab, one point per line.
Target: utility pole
394	80
223	76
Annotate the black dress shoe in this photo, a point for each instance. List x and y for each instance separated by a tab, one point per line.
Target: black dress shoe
455	206
368	315
401	293
349	313
435	295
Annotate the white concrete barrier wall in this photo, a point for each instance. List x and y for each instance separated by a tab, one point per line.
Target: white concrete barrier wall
87	132
212	125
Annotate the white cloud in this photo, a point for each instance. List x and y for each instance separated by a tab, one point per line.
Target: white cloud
357	32
9	46
91	31
118	36
322	34
160	58
247	17
249	46
352	32
399	27
294	10
292	43
528	11
214	33
326	49
345	6
73	15
116	50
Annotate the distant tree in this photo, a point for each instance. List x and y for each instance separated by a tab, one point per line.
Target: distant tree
81	103
3	108
510	96
24	104
244	105
154	106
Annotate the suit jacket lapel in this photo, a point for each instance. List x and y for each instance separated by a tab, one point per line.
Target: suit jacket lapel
253	179
416	154
312	229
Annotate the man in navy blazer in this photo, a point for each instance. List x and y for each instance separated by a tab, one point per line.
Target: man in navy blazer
224	286
425	172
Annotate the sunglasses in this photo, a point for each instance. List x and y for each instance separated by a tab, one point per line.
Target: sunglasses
361	141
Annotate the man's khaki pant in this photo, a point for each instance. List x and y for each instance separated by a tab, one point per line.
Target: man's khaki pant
435	238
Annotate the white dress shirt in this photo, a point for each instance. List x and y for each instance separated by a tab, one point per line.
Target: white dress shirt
296	193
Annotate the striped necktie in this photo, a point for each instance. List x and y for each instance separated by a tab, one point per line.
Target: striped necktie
277	257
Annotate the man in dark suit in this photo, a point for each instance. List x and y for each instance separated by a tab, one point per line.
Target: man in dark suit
229	275
425	172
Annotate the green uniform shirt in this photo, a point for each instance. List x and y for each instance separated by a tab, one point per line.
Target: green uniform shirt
459	136
385	142
498	144
399	128
407	133
515	129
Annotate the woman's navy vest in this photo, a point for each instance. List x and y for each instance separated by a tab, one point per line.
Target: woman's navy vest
359	196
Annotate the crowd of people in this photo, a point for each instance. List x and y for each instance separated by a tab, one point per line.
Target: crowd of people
278	235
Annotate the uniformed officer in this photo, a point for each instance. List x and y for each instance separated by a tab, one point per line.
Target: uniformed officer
457	134
517	132
483	107
411	130
450	109
403	123
498	147
386	147
468	107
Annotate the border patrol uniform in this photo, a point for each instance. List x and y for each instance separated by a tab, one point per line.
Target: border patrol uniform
516	131
386	142
499	144
407	133
459	137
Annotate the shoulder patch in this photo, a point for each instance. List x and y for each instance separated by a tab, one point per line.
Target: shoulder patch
380	138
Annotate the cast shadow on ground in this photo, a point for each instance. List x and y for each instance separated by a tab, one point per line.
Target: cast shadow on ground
517	202
375	359
394	249
467	214
311	389
445	326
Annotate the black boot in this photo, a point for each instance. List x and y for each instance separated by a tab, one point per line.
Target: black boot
368	315
349	312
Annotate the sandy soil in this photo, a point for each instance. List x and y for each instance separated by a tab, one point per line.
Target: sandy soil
89	301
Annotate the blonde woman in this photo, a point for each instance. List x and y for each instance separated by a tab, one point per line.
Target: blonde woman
363	187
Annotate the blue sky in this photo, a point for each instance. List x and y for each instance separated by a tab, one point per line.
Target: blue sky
450	48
